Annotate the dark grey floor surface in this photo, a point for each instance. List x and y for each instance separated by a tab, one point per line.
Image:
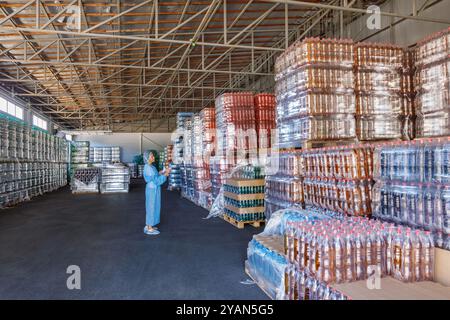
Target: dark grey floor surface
192	258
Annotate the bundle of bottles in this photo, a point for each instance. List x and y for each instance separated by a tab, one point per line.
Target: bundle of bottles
413	186
379	93
86	180
23	180
264	119
315	92
178	142
244	197
32	162
115	178
431	85
104	154
336	251
284	185
79	155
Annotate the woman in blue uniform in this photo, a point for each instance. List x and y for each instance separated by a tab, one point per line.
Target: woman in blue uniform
154	180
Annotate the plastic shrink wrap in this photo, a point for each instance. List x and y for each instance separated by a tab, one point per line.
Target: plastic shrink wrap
32	162
413	186
432	84
379	92
315	92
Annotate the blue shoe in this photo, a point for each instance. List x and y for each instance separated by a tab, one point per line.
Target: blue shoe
153	233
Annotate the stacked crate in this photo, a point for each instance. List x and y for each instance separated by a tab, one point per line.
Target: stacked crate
379	93
432	78
315	92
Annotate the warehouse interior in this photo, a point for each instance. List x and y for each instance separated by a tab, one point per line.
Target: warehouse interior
347	99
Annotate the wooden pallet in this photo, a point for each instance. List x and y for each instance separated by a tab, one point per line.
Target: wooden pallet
241	224
314	144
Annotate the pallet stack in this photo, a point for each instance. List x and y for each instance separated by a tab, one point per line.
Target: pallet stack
203	185
432	85
379	92
244	202
315	92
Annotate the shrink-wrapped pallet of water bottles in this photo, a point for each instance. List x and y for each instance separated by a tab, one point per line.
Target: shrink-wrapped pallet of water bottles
32	161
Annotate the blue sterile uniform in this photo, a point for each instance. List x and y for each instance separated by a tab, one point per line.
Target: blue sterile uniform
152	194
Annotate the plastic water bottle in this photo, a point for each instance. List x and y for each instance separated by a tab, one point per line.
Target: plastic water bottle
349	258
417	256
428	256
397	256
406	274
327	259
446	210
428	205
338	259
379	252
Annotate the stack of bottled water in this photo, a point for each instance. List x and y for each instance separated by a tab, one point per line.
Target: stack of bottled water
339	178
350	249
413	186
32	162
379	92
315	92
432	85
284	187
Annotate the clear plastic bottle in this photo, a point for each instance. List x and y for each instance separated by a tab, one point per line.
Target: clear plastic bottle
417	256
327	261
359	257
349	254
407	255
339	261
397	256
428	256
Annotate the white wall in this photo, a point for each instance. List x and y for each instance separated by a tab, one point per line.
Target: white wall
130	143
407	32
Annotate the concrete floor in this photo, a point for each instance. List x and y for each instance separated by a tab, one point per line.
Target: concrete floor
193	258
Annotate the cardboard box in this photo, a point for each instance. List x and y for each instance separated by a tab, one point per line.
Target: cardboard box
392	289
442	266
244	210
241	197
245	182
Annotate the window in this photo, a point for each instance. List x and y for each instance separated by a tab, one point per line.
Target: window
11	109
3	105
39	122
